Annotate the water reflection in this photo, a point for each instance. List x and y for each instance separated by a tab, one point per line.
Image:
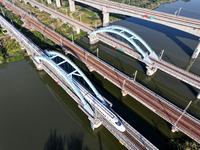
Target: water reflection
75	142
60	142
55	141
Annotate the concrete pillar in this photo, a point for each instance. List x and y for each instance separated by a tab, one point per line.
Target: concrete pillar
39	67
48	1
124	93
78	30
105	16
95	123
71	5
150	70
90	68
58	4
174	129
93	39
198	95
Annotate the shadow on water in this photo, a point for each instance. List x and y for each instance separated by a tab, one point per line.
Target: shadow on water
75	142
55	141
59	142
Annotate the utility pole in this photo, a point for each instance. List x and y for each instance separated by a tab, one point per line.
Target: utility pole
95	24
72	38
134	75
66	12
80	16
61	42
161	54
179	11
174	127
2	12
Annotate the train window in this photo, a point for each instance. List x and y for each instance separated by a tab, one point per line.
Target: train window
118	123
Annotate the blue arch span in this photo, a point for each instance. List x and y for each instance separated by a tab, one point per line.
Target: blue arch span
130	37
68	76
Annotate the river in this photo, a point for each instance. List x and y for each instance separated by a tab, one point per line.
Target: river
35	113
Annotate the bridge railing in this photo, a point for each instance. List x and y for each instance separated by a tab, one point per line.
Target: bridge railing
186	79
87	53
20	37
139	11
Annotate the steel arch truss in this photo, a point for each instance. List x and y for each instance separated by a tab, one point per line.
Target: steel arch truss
68	76
130	36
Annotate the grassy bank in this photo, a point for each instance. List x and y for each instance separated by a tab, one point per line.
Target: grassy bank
10	50
88	15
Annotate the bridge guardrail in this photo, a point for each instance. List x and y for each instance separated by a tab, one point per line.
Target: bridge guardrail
194	83
115	70
120	6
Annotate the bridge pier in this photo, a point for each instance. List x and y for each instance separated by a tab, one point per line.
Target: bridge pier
124	93
95	123
91	69
58	3
105	16
48	1
93	39
78	30
198	95
71	5
174	129
39	67
151	70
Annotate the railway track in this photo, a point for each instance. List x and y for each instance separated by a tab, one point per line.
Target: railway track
160	64
161	15
187	124
139	146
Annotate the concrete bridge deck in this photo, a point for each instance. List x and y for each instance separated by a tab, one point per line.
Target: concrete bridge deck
130	138
187	124
185	24
166	67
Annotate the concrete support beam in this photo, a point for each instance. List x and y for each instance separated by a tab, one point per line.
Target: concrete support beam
150	70
71	5
105	16
124	93
58	3
48	1
174	129
90	68
39	67
198	95
95	123
93	39
78	30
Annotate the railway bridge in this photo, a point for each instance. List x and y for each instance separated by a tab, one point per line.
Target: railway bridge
186	123
164	66
189	25
78	86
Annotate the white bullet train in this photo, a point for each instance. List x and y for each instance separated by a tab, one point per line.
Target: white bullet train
104	108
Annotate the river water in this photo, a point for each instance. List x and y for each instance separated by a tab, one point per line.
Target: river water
36	113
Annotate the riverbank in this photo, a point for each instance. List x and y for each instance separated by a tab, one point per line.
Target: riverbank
10	49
